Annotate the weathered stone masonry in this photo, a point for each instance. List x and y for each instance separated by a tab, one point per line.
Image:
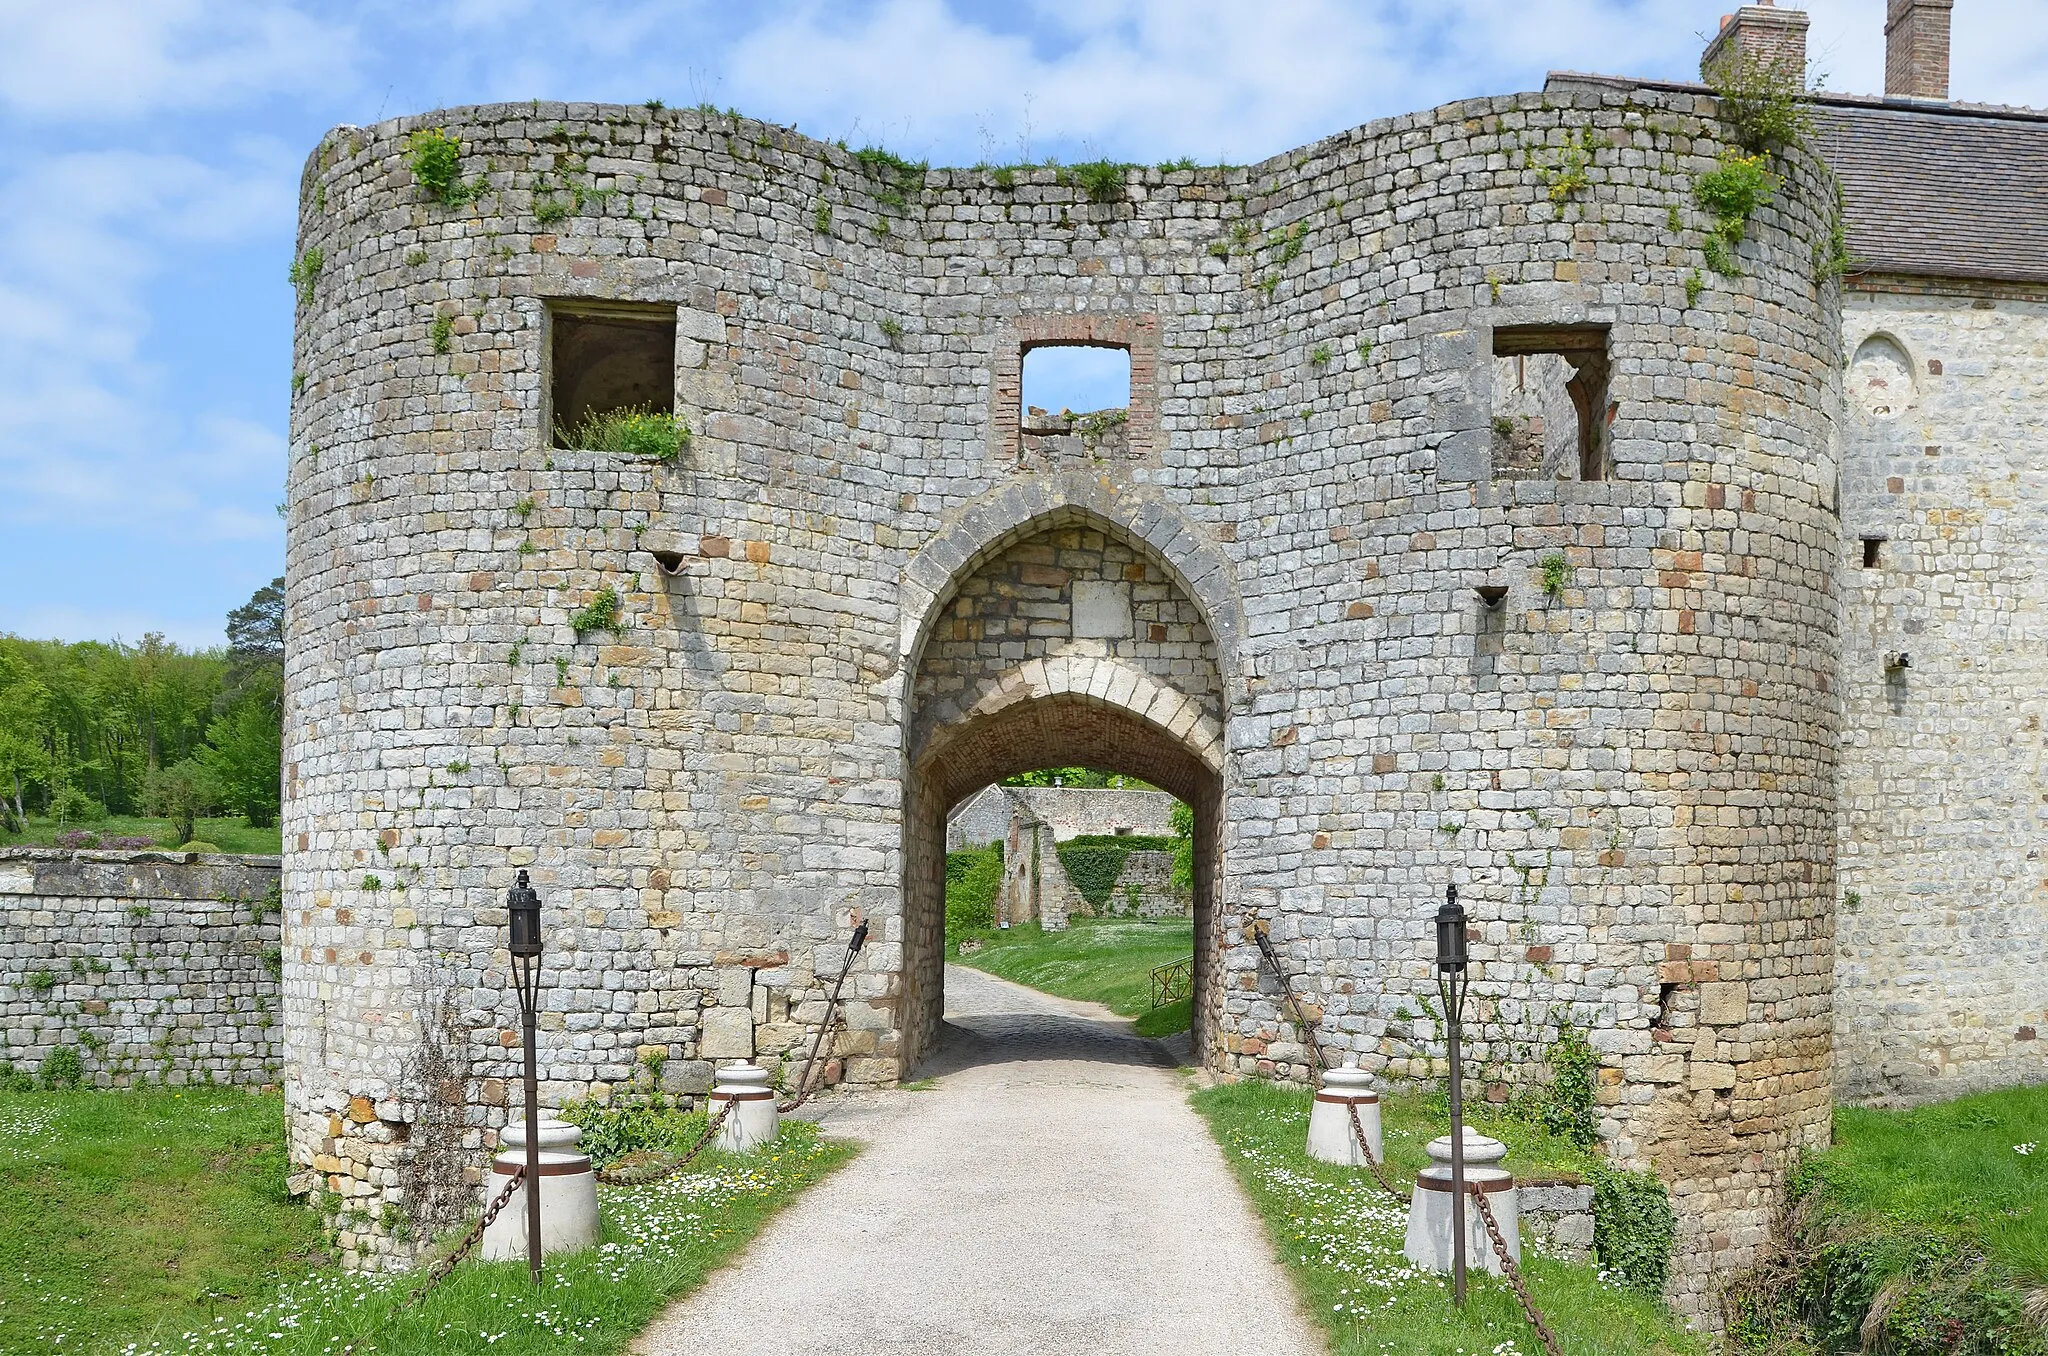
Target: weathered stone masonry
1632	779
154	966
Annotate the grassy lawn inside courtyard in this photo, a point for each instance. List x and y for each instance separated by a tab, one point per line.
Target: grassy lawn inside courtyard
231	834
1095	960
156	1222
1340	1237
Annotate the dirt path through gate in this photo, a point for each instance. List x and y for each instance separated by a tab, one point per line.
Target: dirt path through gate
1053	1192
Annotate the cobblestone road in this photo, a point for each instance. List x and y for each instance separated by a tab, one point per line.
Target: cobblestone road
1051	1193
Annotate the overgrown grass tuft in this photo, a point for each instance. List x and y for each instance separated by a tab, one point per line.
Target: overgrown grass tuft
1922	1232
635	431
1340	1237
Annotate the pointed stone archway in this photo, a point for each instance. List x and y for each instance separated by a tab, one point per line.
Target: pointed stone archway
1067	639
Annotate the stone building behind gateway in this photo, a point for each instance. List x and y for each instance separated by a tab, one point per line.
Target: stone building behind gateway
1648	693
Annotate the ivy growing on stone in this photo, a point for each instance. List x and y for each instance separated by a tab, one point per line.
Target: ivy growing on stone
1633	1225
601	613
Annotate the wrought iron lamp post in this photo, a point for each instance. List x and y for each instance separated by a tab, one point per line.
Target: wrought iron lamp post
1451	983
523	905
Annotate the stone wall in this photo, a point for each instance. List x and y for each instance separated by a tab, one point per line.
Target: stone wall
1066	810
155	966
1632	778
1942	962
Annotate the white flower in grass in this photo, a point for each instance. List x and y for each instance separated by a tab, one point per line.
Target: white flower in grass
2026	1148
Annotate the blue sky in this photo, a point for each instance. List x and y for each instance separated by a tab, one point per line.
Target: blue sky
149	155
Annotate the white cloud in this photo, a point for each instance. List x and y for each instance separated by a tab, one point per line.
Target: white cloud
88	428
110	60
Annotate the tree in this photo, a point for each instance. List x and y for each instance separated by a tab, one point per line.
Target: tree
24	736
181	793
256	628
243	753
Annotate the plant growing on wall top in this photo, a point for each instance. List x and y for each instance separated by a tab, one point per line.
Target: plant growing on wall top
601	613
1764	101
1101	180
436	161
635	431
1732	193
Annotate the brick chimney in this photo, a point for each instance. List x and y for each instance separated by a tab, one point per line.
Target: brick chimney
1916	49
1765	34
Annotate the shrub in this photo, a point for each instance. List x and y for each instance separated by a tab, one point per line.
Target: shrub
42	981
305	273
1556	572
78	838
636	431
13	1080
73	804
180	793
436	160
62	1068
1764	100
1095	861
1733	192
601	613
972	878
653	1124
1633	1225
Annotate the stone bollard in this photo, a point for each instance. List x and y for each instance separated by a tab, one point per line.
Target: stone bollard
1330	1136
754	1119
568	1193
1429	1210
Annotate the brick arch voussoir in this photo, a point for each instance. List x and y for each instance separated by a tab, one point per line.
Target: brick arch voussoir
1117	689
1024	508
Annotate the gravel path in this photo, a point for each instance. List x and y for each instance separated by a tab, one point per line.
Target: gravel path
1052	1193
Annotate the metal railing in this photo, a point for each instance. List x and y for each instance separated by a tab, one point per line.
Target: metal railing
1173	981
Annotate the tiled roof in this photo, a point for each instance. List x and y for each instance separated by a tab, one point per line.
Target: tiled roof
1932	190
1941	192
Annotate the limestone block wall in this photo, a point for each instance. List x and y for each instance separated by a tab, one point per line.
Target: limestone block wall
1942	966
153	966
1632	779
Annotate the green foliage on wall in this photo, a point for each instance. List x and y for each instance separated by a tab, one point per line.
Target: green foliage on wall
1095	861
634	431
1633	1226
1567	1108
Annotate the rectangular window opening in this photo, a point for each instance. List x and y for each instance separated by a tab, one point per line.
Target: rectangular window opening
1551	414
608	360
1871	546
1076	400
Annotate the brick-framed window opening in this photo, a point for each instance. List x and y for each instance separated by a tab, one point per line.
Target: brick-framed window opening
1138	334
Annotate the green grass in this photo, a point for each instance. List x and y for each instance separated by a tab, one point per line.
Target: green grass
1096	960
1340	1237
127	1213
229	835
159	1219
1953	1165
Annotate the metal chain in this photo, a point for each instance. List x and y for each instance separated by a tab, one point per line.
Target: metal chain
1365	1151
711	1129
1500	1247
439	1272
1514	1273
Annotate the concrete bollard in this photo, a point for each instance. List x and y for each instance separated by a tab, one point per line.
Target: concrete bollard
1330	1137
568	1193
754	1118
1429	1210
